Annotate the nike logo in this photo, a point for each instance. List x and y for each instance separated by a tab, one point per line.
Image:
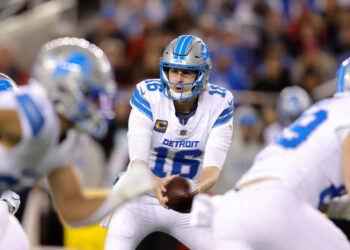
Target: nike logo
14	198
230	103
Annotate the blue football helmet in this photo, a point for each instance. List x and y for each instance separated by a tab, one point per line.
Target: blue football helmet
185	52
291	103
78	78
343	78
6	83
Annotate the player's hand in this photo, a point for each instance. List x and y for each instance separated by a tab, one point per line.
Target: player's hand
339	207
12	200
160	184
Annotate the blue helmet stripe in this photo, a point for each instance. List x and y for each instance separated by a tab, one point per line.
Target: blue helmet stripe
178	47
341	76
186	45
182	47
179	44
340	79
5	85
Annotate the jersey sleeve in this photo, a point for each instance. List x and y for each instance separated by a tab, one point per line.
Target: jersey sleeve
139	135
227	110
220	137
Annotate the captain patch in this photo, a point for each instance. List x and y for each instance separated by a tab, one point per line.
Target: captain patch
160	126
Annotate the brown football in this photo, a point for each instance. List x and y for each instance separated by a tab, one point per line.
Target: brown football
180	193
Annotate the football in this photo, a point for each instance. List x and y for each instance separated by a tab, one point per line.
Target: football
180	192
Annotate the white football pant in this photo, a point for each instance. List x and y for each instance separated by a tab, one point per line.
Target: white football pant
139	217
268	216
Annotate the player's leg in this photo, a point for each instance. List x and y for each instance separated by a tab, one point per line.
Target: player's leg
14	238
129	224
190	236
4	218
229	245
270	216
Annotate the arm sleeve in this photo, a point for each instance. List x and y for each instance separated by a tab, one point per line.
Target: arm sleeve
139	136
218	144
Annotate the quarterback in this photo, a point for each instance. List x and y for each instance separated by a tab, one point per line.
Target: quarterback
275	204
71	90
180	124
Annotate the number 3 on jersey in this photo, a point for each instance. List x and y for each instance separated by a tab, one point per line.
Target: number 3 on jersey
179	160
300	130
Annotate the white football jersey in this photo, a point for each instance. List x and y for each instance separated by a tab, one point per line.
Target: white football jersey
40	150
307	155
178	147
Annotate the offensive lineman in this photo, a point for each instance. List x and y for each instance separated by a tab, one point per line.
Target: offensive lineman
274	205
179	125
10	201
71	91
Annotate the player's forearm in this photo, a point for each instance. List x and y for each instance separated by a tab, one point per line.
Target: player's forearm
79	209
208	178
346	163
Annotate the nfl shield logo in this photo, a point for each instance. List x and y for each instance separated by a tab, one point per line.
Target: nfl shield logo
183	132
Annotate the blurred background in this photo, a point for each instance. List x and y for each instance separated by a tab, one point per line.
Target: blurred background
258	48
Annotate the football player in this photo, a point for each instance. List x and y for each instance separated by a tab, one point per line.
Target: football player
291	103
71	90
10	201
275	204
180	124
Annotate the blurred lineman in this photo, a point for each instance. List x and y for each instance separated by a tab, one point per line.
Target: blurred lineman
274	205
71	87
10	201
179	125
291	103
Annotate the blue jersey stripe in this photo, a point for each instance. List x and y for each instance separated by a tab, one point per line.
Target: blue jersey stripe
32	112
223	119
142	100
141	107
226	111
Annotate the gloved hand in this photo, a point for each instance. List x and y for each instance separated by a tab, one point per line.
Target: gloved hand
12	200
339	207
